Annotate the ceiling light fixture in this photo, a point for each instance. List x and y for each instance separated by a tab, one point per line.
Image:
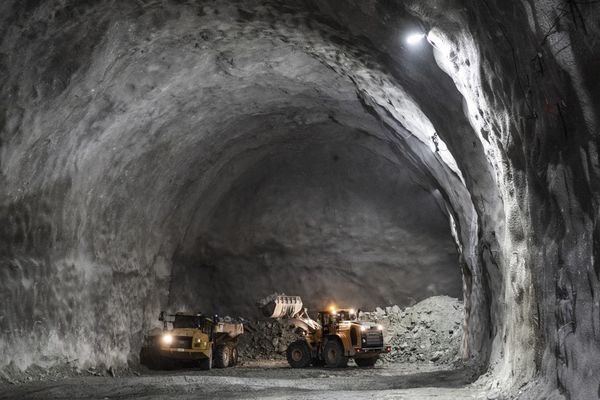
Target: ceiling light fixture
415	38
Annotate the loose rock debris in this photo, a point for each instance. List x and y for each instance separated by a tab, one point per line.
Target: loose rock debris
429	331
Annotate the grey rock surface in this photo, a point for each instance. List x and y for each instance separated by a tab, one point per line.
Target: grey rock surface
133	133
429	331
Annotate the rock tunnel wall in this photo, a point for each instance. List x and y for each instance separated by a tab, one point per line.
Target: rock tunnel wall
123	123
540	132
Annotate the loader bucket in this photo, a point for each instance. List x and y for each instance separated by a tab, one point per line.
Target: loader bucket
282	306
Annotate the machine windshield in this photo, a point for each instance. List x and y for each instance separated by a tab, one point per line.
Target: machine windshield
188	321
340	315
345	315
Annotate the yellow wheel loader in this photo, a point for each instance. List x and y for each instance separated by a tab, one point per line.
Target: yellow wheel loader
192	338
336	336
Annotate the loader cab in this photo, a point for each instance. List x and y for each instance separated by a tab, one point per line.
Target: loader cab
330	318
347	315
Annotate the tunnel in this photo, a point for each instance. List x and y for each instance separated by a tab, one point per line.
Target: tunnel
189	155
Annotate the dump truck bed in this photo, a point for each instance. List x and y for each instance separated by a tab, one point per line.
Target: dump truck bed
231	329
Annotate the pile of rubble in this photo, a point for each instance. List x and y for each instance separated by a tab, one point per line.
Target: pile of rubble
429	331
266	339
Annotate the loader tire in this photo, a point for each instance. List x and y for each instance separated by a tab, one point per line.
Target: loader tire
333	354
366	362
317	362
298	354
222	356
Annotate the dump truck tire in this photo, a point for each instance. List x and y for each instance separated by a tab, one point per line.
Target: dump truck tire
366	362
222	356
235	355
151	359
298	354
333	354
205	364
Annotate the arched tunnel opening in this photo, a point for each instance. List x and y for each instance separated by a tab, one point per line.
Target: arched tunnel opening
434	164
328	203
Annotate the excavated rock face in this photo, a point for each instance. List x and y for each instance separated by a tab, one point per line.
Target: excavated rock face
203	154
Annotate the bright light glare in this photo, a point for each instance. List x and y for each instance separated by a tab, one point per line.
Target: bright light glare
167	339
415	38
380	327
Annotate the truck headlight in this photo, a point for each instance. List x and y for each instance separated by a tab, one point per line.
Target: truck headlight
380	327
167	339
363	328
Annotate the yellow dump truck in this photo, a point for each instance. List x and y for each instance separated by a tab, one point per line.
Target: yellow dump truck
192	338
336	336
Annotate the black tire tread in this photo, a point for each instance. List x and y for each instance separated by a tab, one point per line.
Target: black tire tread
366	362
306	358
222	356
235	355
341	360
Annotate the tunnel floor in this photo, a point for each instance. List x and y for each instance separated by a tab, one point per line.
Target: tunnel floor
266	379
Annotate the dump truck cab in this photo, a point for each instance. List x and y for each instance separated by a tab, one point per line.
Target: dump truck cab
192	338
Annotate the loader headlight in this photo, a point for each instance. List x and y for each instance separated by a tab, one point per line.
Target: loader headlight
167	339
379	327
